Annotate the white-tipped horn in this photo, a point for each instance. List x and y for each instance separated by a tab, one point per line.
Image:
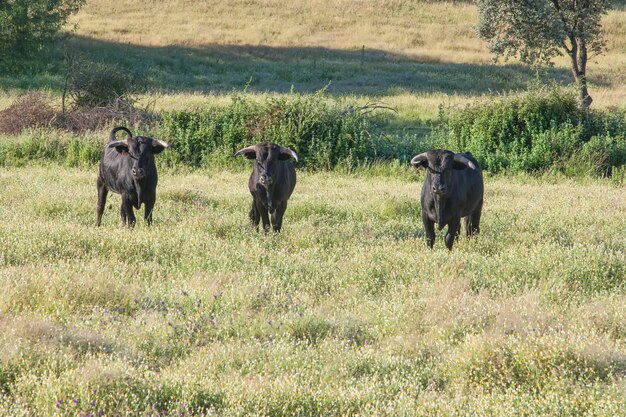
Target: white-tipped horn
162	143
460	158
245	150
117	143
419	158
288	151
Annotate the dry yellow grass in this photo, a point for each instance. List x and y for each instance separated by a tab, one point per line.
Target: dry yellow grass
406	27
419	54
439	32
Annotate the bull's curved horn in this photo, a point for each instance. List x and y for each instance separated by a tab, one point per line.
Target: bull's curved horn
162	143
245	150
288	151
117	143
112	137
460	158
418	158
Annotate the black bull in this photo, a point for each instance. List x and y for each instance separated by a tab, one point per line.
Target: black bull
453	189
271	183
127	168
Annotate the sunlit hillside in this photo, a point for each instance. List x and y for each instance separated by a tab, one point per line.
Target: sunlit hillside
383	47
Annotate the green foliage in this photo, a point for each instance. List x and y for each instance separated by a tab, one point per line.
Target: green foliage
28	26
537	131
95	84
323	133
536	31
47	145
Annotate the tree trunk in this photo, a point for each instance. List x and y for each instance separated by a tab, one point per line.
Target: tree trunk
578	55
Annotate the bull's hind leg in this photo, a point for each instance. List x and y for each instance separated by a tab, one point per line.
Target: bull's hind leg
277	216
255	217
472	222
102	200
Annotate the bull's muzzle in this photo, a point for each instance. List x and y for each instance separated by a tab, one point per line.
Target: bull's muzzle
138	173
439	189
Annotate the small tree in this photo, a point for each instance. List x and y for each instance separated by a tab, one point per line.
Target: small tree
28	26
538	30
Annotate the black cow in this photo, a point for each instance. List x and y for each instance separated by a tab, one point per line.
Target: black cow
127	168
271	183
453	189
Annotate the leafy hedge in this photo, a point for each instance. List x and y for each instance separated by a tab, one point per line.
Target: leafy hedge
536	131
540	130
323	133
50	145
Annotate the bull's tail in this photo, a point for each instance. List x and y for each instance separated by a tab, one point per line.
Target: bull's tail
112	137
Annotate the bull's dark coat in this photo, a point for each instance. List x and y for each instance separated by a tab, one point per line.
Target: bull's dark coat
453	189
127	168
271	183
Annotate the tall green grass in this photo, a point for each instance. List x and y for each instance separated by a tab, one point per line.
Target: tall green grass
345	312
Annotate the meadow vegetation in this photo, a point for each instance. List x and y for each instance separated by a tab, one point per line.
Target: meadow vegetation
346	311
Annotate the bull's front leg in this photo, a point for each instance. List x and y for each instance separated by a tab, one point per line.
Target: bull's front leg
265	218
454	227
254	215
148	207
127	213
277	216
429	227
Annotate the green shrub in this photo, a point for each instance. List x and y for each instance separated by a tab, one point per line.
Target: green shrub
537	131
95	84
29	26
606	151
50	145
83	152
323	133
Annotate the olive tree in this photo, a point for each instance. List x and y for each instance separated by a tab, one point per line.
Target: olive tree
536	31
28	26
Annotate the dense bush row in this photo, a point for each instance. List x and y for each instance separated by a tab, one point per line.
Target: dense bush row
50	145
540	130
322	132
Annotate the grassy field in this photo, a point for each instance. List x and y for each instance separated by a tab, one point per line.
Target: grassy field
345	312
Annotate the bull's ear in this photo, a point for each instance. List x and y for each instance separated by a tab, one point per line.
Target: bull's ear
420	161
119	145
286	153
249	152
158	146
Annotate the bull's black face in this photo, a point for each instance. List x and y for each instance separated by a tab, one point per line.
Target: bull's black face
440	164
440	171
266	159
141	150
266	156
